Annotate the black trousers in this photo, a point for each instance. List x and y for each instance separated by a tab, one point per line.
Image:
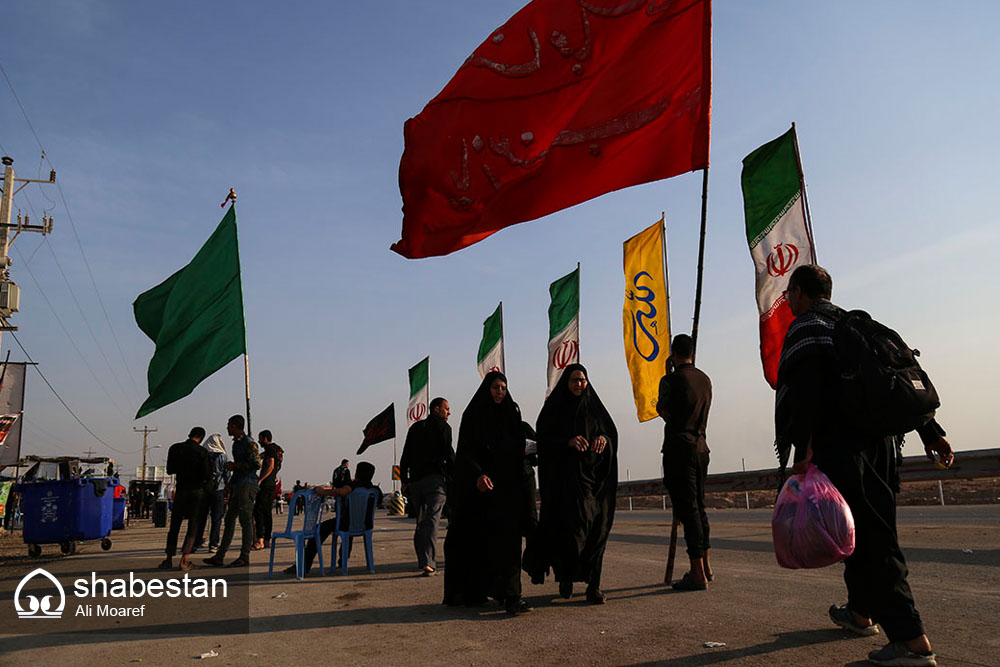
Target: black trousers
876	572
187	505
684	472
262	512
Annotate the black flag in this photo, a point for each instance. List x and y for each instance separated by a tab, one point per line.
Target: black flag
382	427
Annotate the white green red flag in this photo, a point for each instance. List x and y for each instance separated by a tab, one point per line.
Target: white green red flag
564	325
779	234
490	356
416	409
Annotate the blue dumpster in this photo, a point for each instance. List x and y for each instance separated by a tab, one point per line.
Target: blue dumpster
67	511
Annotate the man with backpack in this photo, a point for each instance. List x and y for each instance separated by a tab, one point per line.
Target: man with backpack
848	389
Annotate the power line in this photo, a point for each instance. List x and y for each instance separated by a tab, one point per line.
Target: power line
86	321
66	331
72	223
56	394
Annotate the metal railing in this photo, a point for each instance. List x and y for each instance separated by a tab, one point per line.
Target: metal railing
968	465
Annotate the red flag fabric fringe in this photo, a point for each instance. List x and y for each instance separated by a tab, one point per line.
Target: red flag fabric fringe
568	100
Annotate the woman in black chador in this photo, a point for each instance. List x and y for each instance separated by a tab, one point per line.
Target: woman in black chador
578	479
487	495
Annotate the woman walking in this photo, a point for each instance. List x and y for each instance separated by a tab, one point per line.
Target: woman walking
578	480
489	515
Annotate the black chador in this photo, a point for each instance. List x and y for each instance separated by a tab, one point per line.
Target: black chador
489	512
577	487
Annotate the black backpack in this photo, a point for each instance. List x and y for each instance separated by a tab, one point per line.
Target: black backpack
884	390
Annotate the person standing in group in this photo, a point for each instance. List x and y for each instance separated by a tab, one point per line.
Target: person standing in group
578	481
864	468
489	517
242	494
277	497
685	397
341	474
189	461
425	468
214	507
271	459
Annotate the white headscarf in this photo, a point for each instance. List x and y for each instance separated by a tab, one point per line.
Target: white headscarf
213	443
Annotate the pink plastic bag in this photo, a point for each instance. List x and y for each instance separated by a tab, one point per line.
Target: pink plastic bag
812	525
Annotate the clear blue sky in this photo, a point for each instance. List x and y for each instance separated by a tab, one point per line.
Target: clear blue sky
150	112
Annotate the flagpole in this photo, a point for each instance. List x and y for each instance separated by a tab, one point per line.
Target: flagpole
701	261
579	357
666	277
805	199
246	369
503	358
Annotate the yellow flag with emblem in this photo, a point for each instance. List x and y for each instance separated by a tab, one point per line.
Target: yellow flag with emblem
646	316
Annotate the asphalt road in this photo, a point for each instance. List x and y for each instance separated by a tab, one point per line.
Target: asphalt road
762	614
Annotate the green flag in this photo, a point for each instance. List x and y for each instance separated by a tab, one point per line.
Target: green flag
564	326
195	318
490	357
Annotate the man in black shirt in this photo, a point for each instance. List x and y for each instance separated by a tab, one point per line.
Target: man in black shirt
270	464
189	461
341	474
425	468
863	468
684	400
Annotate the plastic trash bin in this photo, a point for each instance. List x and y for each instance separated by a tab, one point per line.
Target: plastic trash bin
66	511
160	513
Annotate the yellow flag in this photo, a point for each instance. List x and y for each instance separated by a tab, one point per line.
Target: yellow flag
645	317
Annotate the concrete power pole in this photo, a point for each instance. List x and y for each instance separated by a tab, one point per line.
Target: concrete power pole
10	293
145	432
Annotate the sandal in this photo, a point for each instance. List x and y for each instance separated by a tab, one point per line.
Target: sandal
239	562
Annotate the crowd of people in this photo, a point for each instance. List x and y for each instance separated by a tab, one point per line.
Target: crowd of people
486	485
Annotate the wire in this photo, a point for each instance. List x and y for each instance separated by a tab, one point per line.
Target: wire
86	321
56	393
72	342
72	224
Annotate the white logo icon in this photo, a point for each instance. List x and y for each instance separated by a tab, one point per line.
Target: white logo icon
39	608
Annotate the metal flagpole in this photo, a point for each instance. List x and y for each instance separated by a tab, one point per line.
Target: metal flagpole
246	368
666	272
805	199
503	357
579	357
701	261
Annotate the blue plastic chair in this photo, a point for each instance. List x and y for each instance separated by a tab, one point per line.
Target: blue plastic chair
361	513
310	529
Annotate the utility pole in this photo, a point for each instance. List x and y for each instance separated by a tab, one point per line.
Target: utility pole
90	453
10	293
145	432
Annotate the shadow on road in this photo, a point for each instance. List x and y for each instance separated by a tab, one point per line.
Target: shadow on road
782	641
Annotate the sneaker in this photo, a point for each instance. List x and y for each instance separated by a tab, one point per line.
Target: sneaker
566	589
843	617
214	561
896	653
239	562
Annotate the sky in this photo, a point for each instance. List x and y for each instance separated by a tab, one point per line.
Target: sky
150	112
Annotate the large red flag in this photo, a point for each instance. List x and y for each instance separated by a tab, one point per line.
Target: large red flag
568	100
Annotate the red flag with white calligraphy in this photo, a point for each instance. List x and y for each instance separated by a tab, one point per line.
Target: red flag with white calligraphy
568	100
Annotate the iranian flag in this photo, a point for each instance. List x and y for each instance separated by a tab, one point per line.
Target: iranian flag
780	237
416	409
564	325
490	356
